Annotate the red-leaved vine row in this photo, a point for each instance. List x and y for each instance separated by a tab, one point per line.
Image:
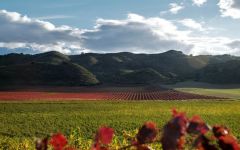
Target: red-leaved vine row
173	136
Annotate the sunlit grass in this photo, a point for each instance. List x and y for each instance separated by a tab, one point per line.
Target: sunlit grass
228	93
21	120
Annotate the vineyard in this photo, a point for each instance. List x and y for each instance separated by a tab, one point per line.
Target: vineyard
158	95
115	93
23	122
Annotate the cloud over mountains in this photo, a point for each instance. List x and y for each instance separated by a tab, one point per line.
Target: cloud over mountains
133	34
21	31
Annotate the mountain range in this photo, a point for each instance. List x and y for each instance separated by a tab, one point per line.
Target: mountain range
54	68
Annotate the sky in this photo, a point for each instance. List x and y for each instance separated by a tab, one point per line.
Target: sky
197	27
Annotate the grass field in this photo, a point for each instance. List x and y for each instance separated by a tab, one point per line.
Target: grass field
219	90
37	119
228	93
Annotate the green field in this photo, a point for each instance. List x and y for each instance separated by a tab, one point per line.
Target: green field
219	90
26	120
227	93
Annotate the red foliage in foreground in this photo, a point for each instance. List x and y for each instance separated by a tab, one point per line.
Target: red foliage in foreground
147	133
58	141
174	131
173	136
225	139
103	137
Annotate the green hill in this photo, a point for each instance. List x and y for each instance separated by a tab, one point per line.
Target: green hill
54	68
37	73
52	57
221	73
142	76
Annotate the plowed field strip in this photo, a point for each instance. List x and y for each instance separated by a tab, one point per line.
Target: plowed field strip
128	95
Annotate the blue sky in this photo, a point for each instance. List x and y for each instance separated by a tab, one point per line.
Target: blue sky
83	13
195	26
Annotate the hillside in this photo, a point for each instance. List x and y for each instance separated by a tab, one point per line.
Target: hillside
221	73
173	65
43	69
142	76
54	68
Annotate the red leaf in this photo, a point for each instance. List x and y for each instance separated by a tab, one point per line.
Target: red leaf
226	139
58	141
105	135
220	131
204	143
147	133
228	142
197	126
174	132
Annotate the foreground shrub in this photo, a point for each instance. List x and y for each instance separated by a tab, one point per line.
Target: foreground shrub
180	132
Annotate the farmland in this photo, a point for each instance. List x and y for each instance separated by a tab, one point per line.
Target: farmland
230	93
158	95
227	91
28	113
106	93
37	119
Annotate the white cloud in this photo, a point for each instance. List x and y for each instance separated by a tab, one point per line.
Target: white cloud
19	29
152	35
230	8
210	45
236	4
54	17
190	23
175	8
235	44
199	3
134	34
